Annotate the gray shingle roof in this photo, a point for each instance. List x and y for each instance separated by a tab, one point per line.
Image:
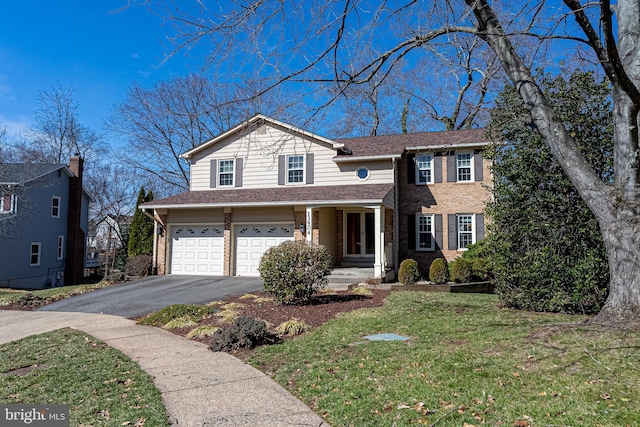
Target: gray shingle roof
283	195
19	173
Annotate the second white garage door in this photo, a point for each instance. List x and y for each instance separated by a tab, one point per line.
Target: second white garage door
197	249
253	241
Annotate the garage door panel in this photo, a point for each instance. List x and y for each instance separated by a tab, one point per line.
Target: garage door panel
197	249
251	242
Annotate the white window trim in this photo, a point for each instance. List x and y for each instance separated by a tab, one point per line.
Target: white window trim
368	173
31	253
12	204
433	232
60	252
304	169
471	162
430	168
58	198
473	230
233	173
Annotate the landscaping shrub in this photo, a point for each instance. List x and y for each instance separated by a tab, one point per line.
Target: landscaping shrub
245	332
461	270
439	271
294	270
408	273
139	265
167	314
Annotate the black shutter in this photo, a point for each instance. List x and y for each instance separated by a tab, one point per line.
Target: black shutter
452	223
479	227
411	168
282	169
437	168
213	174
477	165
438	233
451	167
238	164
411	227
309	166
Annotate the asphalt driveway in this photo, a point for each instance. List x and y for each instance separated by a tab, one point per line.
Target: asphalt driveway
141	297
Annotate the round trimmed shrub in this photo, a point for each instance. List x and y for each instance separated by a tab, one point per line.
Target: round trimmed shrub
408	273
461	270
439	271
294	270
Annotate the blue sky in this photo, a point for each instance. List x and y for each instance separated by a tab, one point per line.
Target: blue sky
91	44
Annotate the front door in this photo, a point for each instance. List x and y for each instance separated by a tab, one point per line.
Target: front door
360	234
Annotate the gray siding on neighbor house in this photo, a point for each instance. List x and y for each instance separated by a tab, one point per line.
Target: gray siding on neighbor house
35	224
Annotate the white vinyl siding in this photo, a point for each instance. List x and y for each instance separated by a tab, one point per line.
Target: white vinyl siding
260	166
34	257
55	207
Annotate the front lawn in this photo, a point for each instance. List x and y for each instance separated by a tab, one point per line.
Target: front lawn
10	298
468	363
101	385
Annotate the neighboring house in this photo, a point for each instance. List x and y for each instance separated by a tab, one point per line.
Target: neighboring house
372	201
43	225
108	235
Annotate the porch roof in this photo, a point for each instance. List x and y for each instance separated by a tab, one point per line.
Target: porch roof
278	196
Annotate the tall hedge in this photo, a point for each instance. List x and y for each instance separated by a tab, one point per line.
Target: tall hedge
545	247
141	230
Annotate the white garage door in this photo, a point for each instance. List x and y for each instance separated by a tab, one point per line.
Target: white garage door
197	249
252	241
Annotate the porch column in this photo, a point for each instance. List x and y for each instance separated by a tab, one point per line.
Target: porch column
378	262
309	225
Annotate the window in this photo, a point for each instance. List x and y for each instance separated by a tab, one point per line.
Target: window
7	204
424	167
60	247
35	254
55	207
362	173
425	232
295	169
464	162
465	231
225	173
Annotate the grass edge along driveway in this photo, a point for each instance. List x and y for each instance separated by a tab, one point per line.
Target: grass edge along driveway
100	384
468	363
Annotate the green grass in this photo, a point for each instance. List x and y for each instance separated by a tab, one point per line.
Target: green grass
101	385
468	361
9	295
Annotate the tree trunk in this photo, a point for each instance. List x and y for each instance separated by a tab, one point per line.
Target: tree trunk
622	240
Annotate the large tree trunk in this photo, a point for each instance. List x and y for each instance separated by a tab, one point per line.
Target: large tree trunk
622	239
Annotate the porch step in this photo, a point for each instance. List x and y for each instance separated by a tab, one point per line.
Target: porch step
350	275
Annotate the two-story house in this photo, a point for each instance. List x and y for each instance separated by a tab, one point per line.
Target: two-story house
43	225
372	201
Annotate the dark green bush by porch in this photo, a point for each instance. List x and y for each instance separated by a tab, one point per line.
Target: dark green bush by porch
408	273
439	271
461	270
294	270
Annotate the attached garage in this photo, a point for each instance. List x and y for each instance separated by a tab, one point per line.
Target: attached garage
197	249
251	241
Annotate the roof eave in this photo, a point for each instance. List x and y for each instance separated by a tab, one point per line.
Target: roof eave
449	146
345	159
266	204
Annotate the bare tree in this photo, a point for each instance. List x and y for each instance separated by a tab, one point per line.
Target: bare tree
317	42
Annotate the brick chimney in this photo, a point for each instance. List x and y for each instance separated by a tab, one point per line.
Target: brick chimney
76	240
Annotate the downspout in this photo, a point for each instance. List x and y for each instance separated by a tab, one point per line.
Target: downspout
396	220
155	240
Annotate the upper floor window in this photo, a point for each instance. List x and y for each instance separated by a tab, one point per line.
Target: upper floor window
465	231
424	169
425	236
225	173
295	169
464	167
8	204
35	254
55	207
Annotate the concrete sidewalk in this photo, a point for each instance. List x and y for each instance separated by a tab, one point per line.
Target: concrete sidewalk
199	387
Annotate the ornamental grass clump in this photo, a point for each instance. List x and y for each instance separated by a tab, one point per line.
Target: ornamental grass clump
292	327
294	270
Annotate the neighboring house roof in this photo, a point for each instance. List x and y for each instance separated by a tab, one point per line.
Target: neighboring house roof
287	195
389	146
258	118
20	173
